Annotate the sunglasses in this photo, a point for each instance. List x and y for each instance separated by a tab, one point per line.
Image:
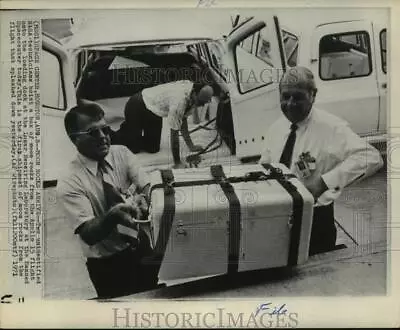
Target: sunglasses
95	132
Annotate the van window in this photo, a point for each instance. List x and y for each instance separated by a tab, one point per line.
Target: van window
216	52
121	62
80	61
52	91
263	47
247	44
124	72
201	53
345	55
254	66
291	45
382	40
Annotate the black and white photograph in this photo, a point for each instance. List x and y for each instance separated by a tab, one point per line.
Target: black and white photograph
201	154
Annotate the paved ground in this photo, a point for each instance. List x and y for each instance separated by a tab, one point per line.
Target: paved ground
359	269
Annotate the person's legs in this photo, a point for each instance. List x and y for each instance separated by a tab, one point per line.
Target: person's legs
115	276
132	128
148	272
152	132
323	232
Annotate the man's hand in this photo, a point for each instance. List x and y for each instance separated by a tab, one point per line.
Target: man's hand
186	137
193	160
139	201
195	148
123	214
316	186
97	229
180	165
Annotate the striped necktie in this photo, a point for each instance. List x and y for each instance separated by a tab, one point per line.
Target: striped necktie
113	197
286	157
111	194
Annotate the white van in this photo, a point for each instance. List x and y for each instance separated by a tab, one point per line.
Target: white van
90	64
345	51
347	57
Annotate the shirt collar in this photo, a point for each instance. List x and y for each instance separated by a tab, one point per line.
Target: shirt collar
305	121
92	165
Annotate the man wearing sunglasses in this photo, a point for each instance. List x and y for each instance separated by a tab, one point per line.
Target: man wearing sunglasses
320	148
91	193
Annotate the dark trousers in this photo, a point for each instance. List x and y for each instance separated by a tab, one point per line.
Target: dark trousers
123	273
323	232
142	129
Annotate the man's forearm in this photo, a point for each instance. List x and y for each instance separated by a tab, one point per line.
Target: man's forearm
185	134
95	230
145	192
356	166
321	187
175	146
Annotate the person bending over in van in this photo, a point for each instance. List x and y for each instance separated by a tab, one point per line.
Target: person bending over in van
320	148
144	111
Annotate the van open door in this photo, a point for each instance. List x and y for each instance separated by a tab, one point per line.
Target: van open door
57	96
380	36
256	61
344	67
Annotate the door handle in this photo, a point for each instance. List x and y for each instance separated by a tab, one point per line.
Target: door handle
290	222
384	85
180	230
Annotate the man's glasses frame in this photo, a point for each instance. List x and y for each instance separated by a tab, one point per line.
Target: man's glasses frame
94	132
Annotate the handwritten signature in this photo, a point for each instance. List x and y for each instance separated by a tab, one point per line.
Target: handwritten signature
205	3
272	310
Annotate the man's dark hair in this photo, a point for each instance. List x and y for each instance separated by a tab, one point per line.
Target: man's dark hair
71	119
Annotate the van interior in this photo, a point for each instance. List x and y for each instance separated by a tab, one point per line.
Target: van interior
344	56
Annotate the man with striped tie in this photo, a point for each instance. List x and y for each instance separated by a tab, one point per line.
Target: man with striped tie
320	149
92	195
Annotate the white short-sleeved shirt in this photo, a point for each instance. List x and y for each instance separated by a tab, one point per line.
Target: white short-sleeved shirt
169	100
81	194
341	156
